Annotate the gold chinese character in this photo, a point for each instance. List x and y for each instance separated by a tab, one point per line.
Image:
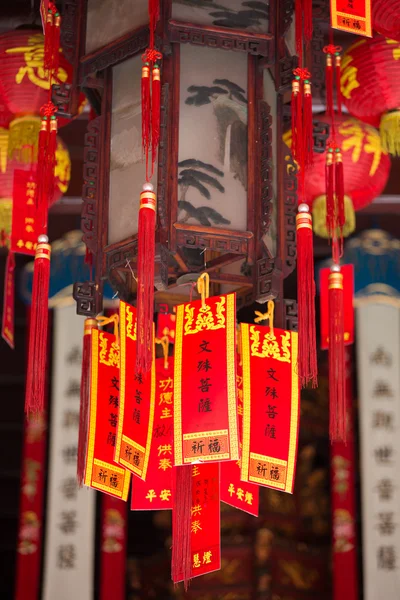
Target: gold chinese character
166	398
396	48
166	413
28	245
195	471
348	77
240	493
166	383
165	495
164	449
151	495
196	561
207	557
196	526
231	489
248	498
196	510
165	463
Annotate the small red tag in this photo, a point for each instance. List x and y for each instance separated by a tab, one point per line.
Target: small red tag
26	218
352	15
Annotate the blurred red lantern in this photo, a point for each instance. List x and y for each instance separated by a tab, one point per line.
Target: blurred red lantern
24	85
370	86
386	18
365	166
62	177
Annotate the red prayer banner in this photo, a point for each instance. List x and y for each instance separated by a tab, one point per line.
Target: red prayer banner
7	326
156	492
26	218
136	401
101	472
240	494
345	567
205	536
348	311
113	548
270	406
352	15
205	413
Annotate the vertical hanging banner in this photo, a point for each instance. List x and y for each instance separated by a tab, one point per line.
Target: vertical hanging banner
113	548
7	324
136	401
205	536
237	493
270	406
353	16
156	492
101	472
26	218
343	468
348	311
69	548
205	413
378	359
166	323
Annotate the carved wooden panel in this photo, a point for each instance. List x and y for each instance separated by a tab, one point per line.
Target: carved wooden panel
286	65
162	175
265	120
321	16
286	14
161	268
321	132
265	268
213	240
290	209
185	33
90	189
122	255
88	297
70	29
291	320
124	48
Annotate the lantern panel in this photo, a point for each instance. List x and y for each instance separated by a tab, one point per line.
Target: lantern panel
127	168
230	14
108	20
269	94
212	166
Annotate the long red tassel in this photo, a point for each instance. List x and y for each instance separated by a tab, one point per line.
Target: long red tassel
329	85
155	113
84	398
181	526
146	112
338	61
308	24
307	356
294	111
299	27
339	190
308	124
145	276
337	395
330	194
36	375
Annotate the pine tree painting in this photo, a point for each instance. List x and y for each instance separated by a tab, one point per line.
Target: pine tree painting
254	13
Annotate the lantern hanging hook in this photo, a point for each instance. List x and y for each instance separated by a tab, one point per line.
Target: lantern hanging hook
102	321
203	287
268	316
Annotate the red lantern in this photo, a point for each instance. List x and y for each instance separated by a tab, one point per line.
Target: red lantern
365	166
386	18
24	85
370	88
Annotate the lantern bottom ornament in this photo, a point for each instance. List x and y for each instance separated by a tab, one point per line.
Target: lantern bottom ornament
389	129
319	217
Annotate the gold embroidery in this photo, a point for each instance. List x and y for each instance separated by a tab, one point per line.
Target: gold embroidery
130	326
109	357
205	318
270	345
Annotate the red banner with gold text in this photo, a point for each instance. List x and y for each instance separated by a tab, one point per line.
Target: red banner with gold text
205	536
27	220
348	311
345	565
101	472
156	492
136	401
240	494
113	548
7	325
270	406
205	413
352	15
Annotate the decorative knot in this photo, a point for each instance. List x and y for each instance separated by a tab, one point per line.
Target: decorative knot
48	110
302	74
332	49
151	55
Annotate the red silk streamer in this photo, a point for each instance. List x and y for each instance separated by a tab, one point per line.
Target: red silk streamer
181	566
343	468
113	548
145	276
52	39
7	326
271	406
204	547
307	355
156	492
101	472
37	358
31	508
136	401
348	311
337	396
84	398
46	160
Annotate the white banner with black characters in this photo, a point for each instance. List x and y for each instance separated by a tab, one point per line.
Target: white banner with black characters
378	358
70	523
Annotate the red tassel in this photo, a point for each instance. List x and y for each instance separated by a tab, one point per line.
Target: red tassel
329	86
155	114
36	375
339	190
307	357
337	70
295	94
298	27
308	24
330	196
337	395
145	276
85	398
46	160
181	526
48	41
56	43
146	113
308	125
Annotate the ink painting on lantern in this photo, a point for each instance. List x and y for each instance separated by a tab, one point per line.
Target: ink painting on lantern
250	15
212	172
